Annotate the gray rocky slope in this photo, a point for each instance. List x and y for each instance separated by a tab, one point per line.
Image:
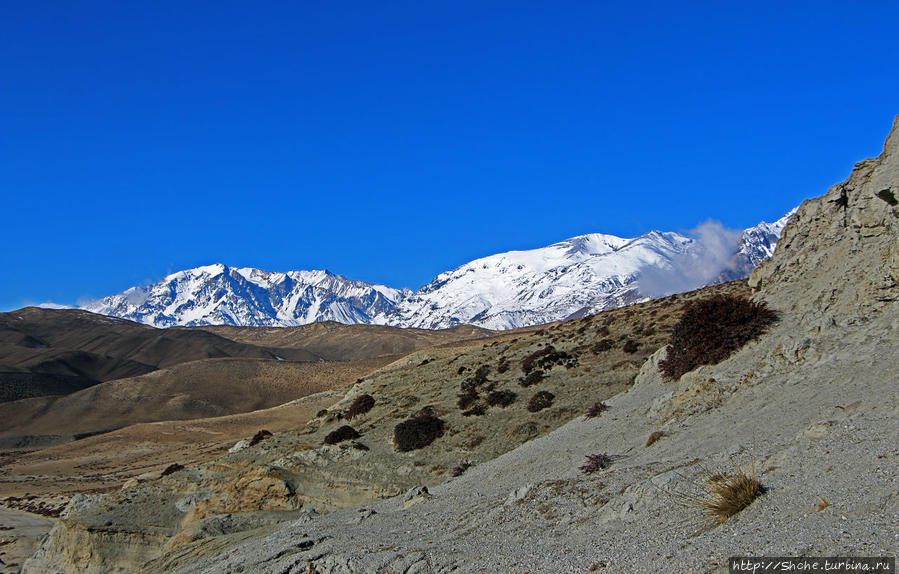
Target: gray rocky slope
811	407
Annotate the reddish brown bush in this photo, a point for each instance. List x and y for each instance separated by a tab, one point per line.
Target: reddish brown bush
532	378
596	462
361	405
602	346
417	432
630	346
346	432
540	401
476	410
712	329
597	409
501	398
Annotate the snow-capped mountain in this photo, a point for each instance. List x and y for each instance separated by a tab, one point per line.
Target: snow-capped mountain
581	275
221	295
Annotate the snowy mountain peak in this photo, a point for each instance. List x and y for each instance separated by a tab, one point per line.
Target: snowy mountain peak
583	274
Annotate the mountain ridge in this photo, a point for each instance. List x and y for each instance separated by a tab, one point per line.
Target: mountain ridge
582	274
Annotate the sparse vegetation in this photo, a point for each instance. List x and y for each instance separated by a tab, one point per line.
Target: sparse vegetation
630	346
596	409
712	329
502	398
596	462
540	401
417	432
346	432
467	398
361	405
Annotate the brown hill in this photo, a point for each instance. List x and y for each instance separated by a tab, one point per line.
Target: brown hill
337	342
54	352
196	389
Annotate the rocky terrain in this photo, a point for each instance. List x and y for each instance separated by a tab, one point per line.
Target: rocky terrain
810	408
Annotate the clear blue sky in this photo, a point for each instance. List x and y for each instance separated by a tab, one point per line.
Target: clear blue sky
389	141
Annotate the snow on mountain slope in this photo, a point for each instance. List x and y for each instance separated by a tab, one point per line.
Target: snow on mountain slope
581	275
220	295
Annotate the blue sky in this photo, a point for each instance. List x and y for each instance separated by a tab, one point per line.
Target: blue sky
389	141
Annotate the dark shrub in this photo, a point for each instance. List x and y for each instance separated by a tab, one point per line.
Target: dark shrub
597	409
259	437
630	346
172	468
346	432
602	346
361	405
596	462
417	432
476	410
467	399
533	378
462	369
469	385
503	365
501	398
602	331
529	362
540	401
480	376
460	470
712	329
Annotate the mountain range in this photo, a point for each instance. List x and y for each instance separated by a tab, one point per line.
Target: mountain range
581	275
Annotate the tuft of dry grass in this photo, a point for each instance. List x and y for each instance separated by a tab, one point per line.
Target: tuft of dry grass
822	504
727	494
655	436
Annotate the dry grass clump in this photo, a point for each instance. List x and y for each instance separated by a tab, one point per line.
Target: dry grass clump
729	494
417	432
655	436
540	401
361	405
346	432
724	494
602	345
596	462
712	329
502	398
630	346
596	409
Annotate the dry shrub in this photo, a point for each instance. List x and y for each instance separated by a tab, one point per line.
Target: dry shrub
630	346
529	362
602	346
172	468
361	405
655	436
728	494
346	432
532	378
540	401
417	432
476	410
712	329
467	398
596	462
461	468
596	409
501	398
